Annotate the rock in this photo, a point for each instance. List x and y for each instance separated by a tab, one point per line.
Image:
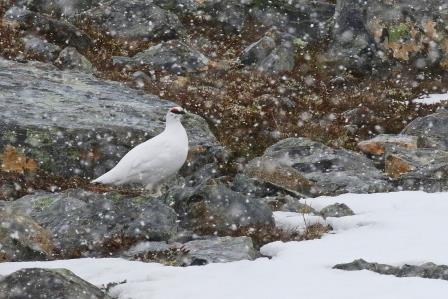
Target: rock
288	203
47	283
71	59
431	129
375	146
212	207
381	33
196	252
418	169
229	15
315	17
22	239
172	56
85	223
58	7
309	168
40	49
275	52
336	210
360	116
352	44
427	270
134	20
57	31
219	250
92	123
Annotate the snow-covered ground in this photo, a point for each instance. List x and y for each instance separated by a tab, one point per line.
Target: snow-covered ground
393	228
431	99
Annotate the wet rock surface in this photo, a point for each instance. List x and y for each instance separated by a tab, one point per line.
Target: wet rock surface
47	283
427	270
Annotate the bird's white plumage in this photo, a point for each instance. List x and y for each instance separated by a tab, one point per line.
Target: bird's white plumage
154	160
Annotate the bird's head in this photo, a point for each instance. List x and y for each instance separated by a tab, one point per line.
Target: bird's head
175	113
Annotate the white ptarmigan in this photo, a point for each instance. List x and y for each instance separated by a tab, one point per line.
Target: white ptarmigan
154	160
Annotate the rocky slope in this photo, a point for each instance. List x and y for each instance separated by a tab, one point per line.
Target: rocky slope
288	100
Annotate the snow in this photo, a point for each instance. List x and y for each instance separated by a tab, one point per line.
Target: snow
391	228
431	99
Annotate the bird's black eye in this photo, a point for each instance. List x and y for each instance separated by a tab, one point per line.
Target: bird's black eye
177	111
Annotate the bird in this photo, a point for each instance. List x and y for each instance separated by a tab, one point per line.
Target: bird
152	162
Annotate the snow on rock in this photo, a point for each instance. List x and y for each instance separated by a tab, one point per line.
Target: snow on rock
387	228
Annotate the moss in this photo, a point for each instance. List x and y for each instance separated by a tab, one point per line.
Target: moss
43	202
398	32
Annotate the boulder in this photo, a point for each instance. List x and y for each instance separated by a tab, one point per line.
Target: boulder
22	239
418	169
212	207
172	56
275	52
374	33
58	7
47	283
71	59
432	130
133	20
36	47
309	168
336	210
74	124
57	31
376	146
83	223
219	250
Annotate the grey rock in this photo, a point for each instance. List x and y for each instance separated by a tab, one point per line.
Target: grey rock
75	124
229	15
309	168
172	56
219	250
133	20
418	169
352	44
381	33
213	207
57	31
288	203
58	8
22	239
39	48
359	116
275	52
71	59
47	283
427	270
308	20
336	210
432	130
85	223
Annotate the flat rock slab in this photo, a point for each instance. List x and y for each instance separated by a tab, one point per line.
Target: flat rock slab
71	123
